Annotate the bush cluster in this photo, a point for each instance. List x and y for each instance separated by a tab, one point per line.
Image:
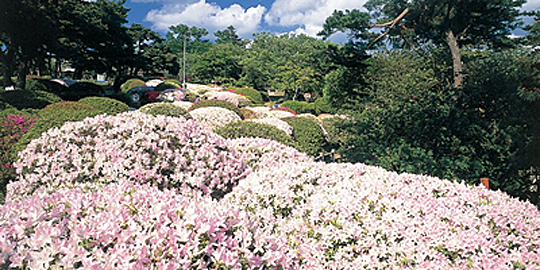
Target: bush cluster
106	105
249	129
216	103
81	90
308	135
299	106
164	86
165	108
130	84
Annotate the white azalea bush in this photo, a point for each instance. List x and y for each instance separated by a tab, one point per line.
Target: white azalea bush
130	226
214	117
134	191
343	216
166	151
233	98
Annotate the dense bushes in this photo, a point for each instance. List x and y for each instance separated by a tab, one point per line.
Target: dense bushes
106	105
299	106
253	95
251	129
165	108
81	90
164	86
130	84
216	103
308	135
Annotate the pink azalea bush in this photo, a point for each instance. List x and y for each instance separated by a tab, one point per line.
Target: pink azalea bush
12	128
343	216
166	151
236	99
128	226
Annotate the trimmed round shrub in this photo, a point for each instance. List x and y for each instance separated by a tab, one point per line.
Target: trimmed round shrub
251	129
29	99
52	86
299	106
55	115
174	82
323	105
167	152
130	84
165	108
236	99
81	90
106	105
216	103
164	86
253	95
276	122
308	135
214	117
129	226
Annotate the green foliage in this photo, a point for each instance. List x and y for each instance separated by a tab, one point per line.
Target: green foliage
216	103
164	108
55	115
412	121
24	99
130	84
81	90
323	105
308	135
253	95
107	105
165	85
339	131
254	130
299	106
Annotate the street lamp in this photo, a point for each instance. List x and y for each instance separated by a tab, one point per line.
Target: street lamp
184	66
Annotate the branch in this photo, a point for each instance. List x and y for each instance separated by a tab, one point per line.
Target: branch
391	25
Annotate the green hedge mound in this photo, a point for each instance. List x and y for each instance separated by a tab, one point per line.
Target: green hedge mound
130	84
253	95
308	135
299	106
107	105
81	90
248	129
165	108
29	99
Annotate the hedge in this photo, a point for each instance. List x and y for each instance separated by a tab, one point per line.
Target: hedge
250	129
308	135
253	95
107	105
165	108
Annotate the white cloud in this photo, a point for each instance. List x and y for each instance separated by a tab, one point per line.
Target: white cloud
532	5
209	16
307	15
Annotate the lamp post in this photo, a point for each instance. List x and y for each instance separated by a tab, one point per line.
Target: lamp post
184	66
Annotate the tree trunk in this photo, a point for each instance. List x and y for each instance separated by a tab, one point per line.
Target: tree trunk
452	43
7	67
21	75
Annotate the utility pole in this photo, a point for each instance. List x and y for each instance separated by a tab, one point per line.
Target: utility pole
184	66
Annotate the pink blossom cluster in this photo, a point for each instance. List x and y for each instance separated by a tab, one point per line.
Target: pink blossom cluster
214	117
170	152
344	216
276	122
261	153
131	226
12	128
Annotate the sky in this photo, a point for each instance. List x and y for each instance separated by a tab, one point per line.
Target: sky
248	17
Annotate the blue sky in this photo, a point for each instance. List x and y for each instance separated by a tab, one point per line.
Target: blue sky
248	17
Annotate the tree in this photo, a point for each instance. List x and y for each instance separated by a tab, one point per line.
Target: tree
229	36
450	22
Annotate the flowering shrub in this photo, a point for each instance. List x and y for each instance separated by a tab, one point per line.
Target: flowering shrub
153	82
343	216
164	108
169	152
233	98
127	226
249	129
278	123
171	96
12	128
264	153
184	104
214	117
